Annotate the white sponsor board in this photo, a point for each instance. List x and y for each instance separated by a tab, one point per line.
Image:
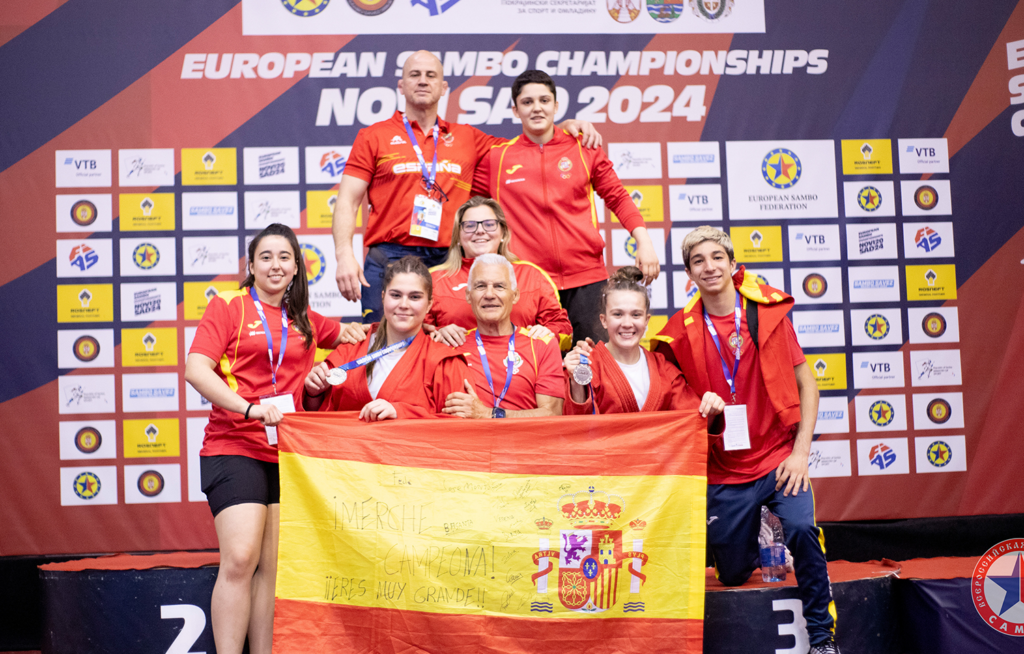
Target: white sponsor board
636	160
694	159
210	255
938	411
781	179
149	302
271	166
88	485
819	328
88	439
881	412
272	17
209	211
85	258
871	241
929	198
883	456
86	394
82	168
935	368
814	242
695	202
816	285
878	370
930	240
149	167
84	213
195	429
923	156
940	453
85	348
934	325
876	326
833	415
624	246
147	256
869	199
830	459
324	297
874	283
325	163
265	207
148	392
152	483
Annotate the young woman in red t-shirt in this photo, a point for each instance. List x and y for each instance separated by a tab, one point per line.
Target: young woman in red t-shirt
250	389
626	377
398	371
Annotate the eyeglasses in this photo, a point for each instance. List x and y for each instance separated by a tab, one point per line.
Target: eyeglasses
490	226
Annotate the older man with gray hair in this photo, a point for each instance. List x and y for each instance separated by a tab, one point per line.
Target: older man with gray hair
512	375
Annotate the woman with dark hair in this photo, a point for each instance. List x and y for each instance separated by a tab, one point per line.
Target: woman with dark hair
405	374
249	357
480	228
621	376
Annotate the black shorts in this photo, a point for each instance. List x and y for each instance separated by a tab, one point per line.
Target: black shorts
231	479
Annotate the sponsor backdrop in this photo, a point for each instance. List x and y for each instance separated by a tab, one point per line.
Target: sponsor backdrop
858	161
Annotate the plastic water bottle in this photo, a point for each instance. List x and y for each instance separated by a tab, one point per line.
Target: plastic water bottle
773	548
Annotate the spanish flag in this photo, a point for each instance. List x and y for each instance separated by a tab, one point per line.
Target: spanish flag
533	536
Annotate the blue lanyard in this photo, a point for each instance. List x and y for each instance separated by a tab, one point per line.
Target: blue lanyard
487	368
584	361
367	358
428	182
718	346
270	339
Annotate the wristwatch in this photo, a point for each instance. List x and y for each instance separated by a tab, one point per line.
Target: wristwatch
497	413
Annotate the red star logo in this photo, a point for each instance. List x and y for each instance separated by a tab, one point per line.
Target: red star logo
941	454
784	167
147	255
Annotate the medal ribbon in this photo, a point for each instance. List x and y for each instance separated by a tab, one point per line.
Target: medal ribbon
584	361
718	346
487	367
428	182
367	358
270	339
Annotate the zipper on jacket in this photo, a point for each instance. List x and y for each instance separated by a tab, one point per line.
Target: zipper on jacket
551	223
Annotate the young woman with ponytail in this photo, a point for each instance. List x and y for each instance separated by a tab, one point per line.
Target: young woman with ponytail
398	372
626	378
250	389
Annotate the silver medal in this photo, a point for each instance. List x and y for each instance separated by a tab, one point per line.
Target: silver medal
582	373
336	376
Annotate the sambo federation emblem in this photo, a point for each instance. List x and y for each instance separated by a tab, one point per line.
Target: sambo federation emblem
781	168
590	556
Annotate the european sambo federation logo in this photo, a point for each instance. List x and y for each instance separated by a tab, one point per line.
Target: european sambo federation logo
590	556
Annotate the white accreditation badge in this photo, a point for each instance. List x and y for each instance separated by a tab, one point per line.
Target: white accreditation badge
426	218
285	403
736	436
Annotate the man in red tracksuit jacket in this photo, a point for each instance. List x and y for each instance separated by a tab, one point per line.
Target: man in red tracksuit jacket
544	180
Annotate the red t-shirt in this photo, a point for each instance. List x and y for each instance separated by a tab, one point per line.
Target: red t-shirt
383	157
231	334
538	301
537	369
770	442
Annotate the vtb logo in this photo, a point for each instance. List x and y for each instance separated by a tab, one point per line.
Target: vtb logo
921	152
81	164
694	199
